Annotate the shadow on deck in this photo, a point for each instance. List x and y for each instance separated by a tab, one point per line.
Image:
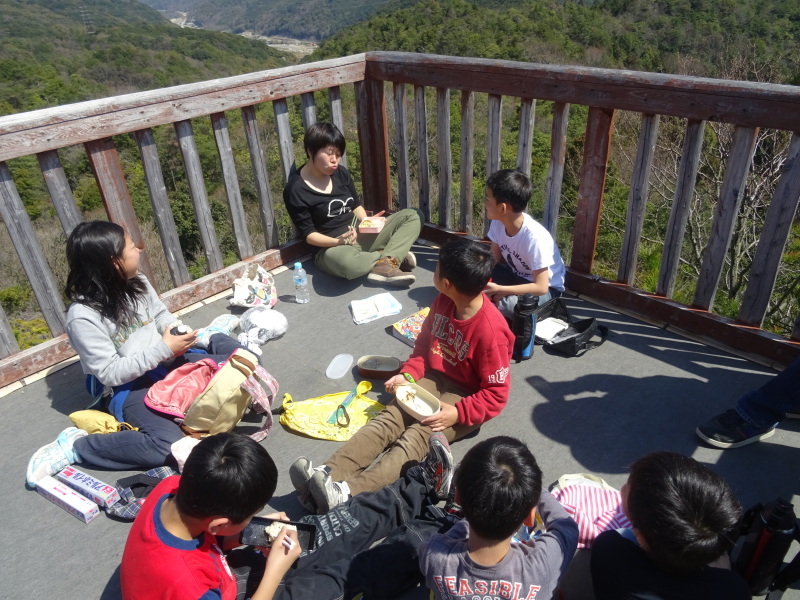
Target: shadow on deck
646	389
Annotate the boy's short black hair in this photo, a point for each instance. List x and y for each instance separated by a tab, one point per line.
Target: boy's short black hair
511	187
498	483
322	135
683	509
226	475
466	264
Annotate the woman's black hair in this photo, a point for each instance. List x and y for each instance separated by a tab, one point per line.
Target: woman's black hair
96	274
322	135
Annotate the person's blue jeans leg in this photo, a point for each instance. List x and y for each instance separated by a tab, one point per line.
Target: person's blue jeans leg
767	406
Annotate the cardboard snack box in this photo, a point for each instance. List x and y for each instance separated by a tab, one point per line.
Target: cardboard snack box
95	490
68	499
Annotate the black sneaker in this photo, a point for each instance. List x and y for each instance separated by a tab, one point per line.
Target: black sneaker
730	430
437	468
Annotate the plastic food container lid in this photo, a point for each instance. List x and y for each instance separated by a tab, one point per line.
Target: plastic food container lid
340	365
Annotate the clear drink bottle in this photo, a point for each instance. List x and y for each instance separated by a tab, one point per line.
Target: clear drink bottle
301	295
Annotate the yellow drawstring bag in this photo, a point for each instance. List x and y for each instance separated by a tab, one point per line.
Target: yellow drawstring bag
95	421
334	417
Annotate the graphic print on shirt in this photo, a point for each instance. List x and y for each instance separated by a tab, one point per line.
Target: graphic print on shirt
452	588
451	347
499	376
337	207
125	330
520	269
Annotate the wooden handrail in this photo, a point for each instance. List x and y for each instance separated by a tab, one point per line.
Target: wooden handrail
748	106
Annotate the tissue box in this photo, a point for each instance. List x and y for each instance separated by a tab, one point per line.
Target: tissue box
68	499
372	225
95	490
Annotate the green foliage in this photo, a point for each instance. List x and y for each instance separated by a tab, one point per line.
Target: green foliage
15	298
28	333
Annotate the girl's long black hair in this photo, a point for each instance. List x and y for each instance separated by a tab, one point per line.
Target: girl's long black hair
96	274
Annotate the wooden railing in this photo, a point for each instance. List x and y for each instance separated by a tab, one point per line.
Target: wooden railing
748	106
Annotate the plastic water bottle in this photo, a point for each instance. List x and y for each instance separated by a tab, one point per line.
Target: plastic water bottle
301	295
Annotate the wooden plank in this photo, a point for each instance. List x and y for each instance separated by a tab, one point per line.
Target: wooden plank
401	125
637	198
285	144
308	109
494	133
162	211
597	145
421	129
335	104
698	98
373	137
235	207
8	343
774	236
30	253
445	156
725	214
32	360
527	113
724	331
51	128
467	159
60	192
555	172
107	170
681	204
260	177
46	354
197	191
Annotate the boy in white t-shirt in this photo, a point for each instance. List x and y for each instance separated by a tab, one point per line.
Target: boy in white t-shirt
528	260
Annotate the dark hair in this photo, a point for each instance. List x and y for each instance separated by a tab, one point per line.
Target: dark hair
97	276
511	187
498	483
226	475
322	135
684	510
466	264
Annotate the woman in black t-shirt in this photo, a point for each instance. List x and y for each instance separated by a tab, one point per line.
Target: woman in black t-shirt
323	203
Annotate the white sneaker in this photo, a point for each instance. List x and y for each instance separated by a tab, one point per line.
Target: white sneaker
326	492
225	324
52	457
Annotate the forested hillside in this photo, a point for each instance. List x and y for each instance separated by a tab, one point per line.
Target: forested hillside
304	19
653	35
49	57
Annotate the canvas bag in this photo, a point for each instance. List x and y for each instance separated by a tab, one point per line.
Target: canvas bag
311	417
208	398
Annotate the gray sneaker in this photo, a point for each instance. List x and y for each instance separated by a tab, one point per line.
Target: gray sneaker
326	492
300	473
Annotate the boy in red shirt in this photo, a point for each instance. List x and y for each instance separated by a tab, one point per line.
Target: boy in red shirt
462	355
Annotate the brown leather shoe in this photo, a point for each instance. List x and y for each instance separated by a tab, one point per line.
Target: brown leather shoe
409	262
387	270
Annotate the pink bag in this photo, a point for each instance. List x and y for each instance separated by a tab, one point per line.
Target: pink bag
207	398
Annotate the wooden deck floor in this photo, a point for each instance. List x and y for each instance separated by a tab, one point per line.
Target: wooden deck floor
645	389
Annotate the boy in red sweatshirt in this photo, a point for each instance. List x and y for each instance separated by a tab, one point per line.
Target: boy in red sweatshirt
462	355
